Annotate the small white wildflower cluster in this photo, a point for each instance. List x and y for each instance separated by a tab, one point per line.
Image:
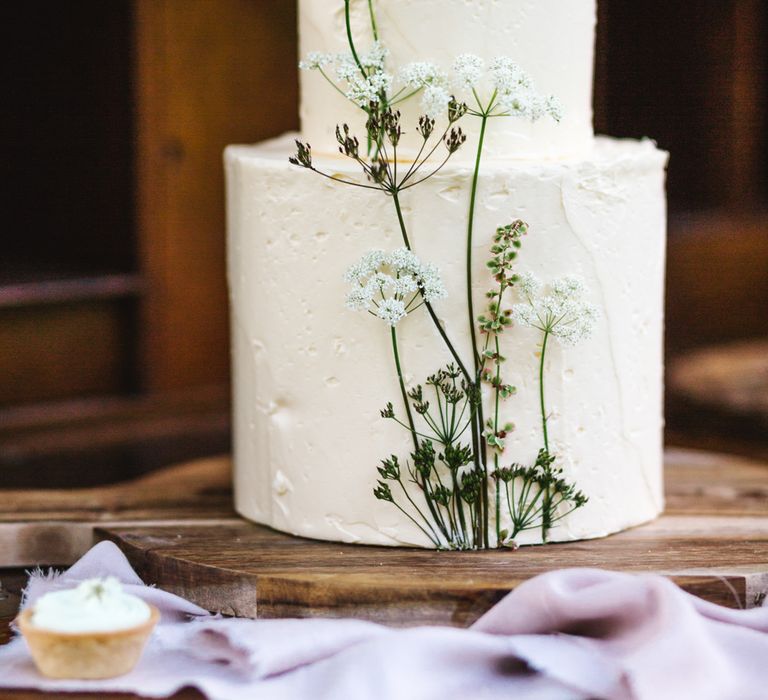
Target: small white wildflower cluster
418	77
468	69
316	60
516	94
561	312
391	285
433	84
362	90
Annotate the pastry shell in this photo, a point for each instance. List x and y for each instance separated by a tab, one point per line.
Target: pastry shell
86	655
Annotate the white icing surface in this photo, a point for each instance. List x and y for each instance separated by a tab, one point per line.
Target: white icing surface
95	605
553	40
310	376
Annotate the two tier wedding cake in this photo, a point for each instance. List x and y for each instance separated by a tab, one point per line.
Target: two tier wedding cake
447	307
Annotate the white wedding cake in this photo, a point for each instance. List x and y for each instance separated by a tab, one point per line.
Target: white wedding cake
568	445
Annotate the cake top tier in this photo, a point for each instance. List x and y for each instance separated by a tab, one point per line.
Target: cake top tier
551	40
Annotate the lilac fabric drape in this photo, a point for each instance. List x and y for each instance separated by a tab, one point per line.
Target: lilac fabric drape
577	633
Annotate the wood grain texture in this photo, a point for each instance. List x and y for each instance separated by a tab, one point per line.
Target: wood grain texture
208	73
80	348
732	377
106	440
713	541
717	286
55	526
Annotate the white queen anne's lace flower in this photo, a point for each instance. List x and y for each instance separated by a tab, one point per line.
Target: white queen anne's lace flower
515	94
434	100
363	91
508	76
562	312
391	285
360	86
468	69
427	77
375	57
420	73
316	60
391	310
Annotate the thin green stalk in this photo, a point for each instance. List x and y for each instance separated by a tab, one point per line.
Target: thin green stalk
351	41
401	220
446	432
435	507
470	233
541	392
496	417
478	443
498	500
459	506
374	28
547	496
331	83
471	311
434	537
402	389
511	510
430	310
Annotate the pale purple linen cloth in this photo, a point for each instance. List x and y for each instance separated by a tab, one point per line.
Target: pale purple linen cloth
571	634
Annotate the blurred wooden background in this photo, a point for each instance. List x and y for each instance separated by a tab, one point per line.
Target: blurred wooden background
113	307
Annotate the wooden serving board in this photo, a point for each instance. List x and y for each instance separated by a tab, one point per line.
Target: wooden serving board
712	540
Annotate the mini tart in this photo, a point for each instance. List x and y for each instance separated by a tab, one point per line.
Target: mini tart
86	655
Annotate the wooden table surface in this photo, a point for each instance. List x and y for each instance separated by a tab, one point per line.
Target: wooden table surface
179	531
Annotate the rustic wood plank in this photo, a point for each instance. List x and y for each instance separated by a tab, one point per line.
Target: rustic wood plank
56	526
96	441
730	252
713	541
80	347
732	378
202	82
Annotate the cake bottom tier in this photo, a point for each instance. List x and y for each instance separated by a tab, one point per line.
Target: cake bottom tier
311	376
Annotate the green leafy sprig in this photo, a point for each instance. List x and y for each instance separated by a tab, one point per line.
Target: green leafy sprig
438	466
534	495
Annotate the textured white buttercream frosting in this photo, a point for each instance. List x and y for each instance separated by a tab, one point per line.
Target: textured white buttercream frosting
310	376
95	605
553	40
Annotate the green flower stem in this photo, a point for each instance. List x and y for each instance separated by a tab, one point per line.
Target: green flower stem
459	505
411	424
471	311
498	500
401	220
512	517
433	537
477	438
331	83
430	310
546	503
470	233
541	391
374	28
434	507
496	422
351	41
438	326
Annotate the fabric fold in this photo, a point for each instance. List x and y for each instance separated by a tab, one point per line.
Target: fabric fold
572	634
